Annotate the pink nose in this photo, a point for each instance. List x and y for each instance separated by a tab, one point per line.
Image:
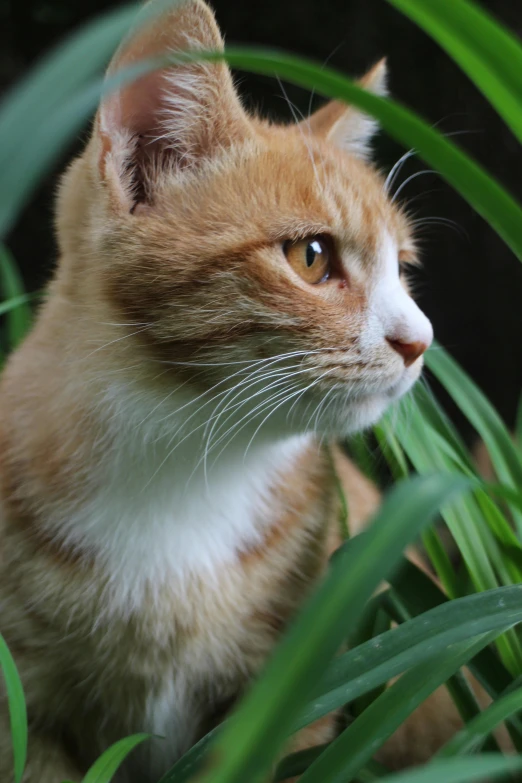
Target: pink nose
410	352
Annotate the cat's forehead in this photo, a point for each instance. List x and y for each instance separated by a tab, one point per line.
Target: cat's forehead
289	186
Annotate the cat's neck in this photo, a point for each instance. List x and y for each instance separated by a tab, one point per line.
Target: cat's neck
170	498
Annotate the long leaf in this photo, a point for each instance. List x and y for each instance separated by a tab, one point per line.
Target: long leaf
419	593
11	304
487	51
391	653
107	765
504	455
190	763
518	425
465	520
39	101
17	710
477	408
481	768
480	727
12	287
359	742
57	97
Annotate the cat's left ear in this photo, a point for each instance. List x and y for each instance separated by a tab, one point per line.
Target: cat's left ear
172	118
346	126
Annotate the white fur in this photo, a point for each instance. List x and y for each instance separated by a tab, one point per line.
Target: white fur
354	131
158	511
173	718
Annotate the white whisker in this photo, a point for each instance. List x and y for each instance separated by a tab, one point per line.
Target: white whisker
409	179
396	168
310	386
117	340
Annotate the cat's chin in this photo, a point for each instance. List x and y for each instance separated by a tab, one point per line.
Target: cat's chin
360	415
364	411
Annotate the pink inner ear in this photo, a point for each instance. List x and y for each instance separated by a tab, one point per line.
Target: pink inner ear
136	109
139	106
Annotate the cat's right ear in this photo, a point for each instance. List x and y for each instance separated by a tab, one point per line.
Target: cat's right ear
168	119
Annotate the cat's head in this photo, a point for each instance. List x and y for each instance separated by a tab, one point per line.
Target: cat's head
248	254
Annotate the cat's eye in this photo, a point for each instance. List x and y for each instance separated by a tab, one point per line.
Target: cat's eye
310	258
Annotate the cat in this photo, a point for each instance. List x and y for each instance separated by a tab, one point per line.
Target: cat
230	296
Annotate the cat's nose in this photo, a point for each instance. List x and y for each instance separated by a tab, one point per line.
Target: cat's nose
410	352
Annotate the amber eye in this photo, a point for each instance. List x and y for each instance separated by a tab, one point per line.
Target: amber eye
310	258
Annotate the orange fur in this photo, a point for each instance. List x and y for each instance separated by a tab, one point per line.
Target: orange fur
159	528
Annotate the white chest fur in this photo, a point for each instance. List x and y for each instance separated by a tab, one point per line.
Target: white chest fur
161	512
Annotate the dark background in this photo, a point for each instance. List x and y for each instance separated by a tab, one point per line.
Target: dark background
470	284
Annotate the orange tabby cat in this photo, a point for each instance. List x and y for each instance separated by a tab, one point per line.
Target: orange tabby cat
228	295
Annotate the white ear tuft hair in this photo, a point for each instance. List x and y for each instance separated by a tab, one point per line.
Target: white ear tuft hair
346	126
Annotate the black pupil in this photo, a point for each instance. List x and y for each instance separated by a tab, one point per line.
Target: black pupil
313	249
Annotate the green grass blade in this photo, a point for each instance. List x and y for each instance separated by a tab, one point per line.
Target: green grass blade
485	50
392	451
188	765
57	97
17	710
441	562
464	519
11	285
257	730
107	765
299	762
419	593
458	685
363	455
418	440
476	731
506	459
448	445
387	655
481	768
58	75
39	101
504	493
468	706
433	414
360	741
495	519
11	304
